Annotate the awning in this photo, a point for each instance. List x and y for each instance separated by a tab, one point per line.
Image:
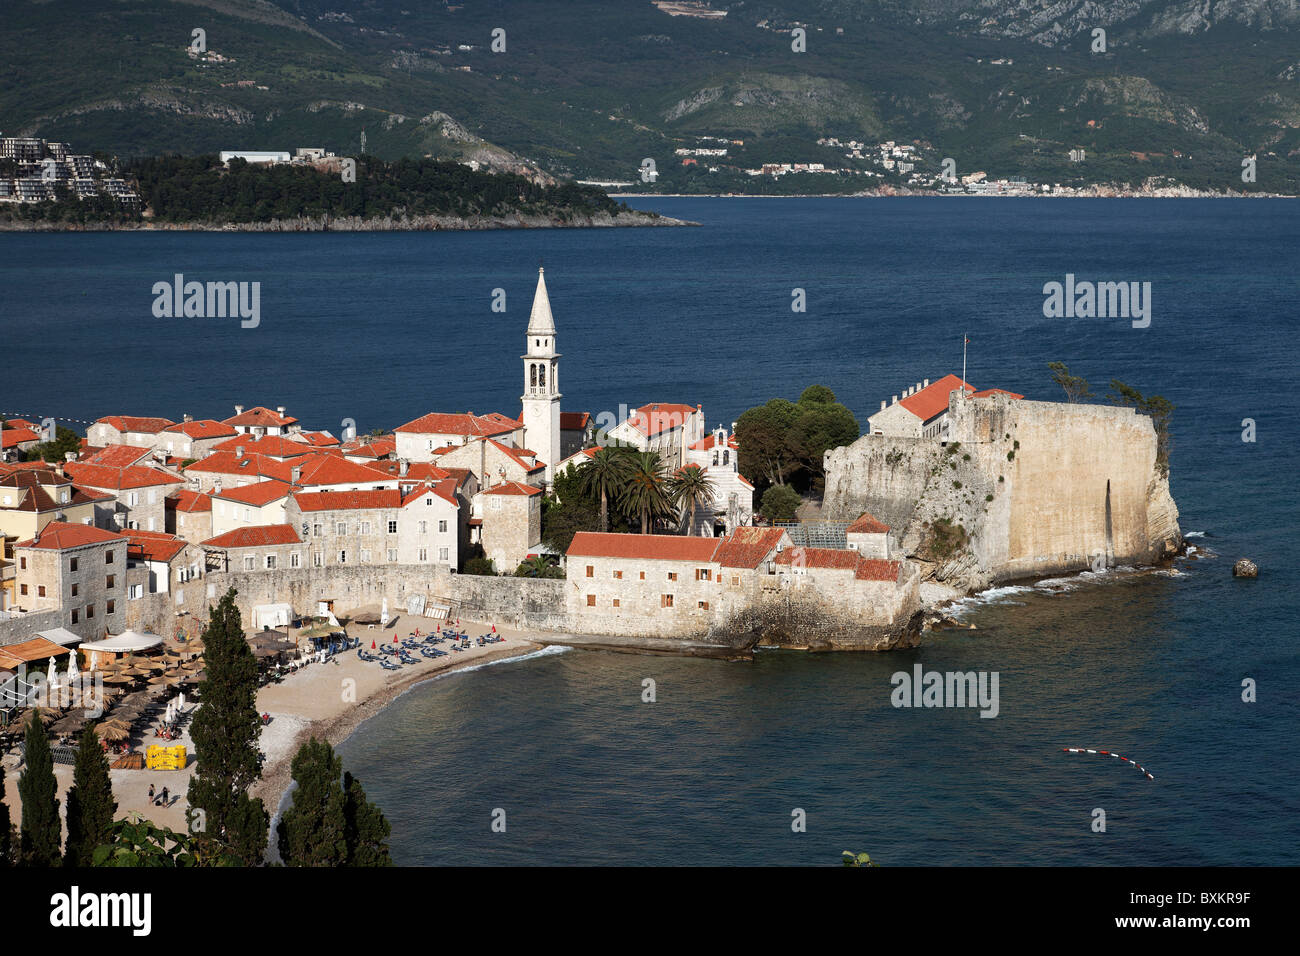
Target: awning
60	635
24	652
124	642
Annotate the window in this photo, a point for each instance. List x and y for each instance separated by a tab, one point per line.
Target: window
111	606
672	575
22	589
315	529
424	555
424	527
72	565
40	590
616	604
294	560
343	557
365	556
392	527
665	600
108	557
74	617
75	589
735	580
591	600
108	581
250	563
270	562
428	501
704	605
642	575
22	564
442	555
442	525
392	554
135	591
591	571
704	574
365	527
618	575
317	559
90	611
342	528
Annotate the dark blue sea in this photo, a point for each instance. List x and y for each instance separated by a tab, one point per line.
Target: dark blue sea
381	328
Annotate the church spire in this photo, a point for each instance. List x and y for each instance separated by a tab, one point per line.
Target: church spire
540	321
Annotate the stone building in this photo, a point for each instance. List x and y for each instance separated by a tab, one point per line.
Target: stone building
869	537
717	454
78	570
189	515
257	504
664	427
923	410
423	438
193	439
260	421
492	462
577	431
140	491
126	430
511	528
260	548
157	561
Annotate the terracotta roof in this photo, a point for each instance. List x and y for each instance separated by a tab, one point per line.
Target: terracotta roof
36	491
867	524
446	489
115	456
379	447
658	547
12	437
876	569
258	494
260	415
517	456
459	475
747	547
476	426
130	423
190	501
417	470
711	439
995	391
59	536
202	428
8	468
574	421
273	446
323	468
21	423
153	545
226	463
315	439
864	569
513	488
255	536
120	479
658	417
933	399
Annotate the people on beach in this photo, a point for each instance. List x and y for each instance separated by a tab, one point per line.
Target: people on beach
151	793
163	798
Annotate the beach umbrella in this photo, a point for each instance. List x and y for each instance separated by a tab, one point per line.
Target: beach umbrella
372	644
180	700
69	724
114	734
383	614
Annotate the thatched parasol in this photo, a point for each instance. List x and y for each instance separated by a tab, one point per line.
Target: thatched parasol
114	733
69	724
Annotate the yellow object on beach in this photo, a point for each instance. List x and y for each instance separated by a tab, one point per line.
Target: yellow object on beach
165	758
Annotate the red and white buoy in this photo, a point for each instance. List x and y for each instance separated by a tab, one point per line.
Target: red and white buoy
1107	753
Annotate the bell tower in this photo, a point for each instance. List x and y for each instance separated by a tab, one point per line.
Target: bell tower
541	398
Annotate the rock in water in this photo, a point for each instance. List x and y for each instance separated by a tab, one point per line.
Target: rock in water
1245	568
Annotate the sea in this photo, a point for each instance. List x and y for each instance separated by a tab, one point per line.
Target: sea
793	758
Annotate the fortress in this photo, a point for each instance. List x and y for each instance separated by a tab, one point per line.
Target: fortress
1013	489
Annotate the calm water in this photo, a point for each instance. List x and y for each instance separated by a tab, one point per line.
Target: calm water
381	328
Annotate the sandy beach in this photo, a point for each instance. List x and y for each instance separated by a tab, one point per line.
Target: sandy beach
325	700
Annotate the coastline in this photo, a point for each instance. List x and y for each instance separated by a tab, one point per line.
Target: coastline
635	219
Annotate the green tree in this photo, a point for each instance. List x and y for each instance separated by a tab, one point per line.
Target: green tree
136	842
604	476
225	731
1076	387
820	423
365	828
1158	407
90	802
780	502
689	489
645	496
65	441
763	436
538	566
480	566
311	832
41	833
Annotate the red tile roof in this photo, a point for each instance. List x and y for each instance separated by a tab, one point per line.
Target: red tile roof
256	536
711	439
273	446
120	479
130	423
474	426
12	437
864	569
747	547
417	470
21	423
996	391
517	456
867	524
202	428
651	420
190	501
153	545
323	468
115	456
261	416
876	569
513	488
380	447
933	399
376	498
574	421
59	536
226	463
258	494
316	439
657	547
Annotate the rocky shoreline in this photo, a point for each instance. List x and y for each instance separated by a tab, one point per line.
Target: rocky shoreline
629	220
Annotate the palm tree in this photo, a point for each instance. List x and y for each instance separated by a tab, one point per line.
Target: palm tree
645	495
605	475
691	488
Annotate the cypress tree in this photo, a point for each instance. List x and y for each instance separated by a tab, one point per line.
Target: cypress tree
365	828
90	802
312	831
225	731
7	832
41	833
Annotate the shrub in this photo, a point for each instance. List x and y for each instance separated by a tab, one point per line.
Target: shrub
481	566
